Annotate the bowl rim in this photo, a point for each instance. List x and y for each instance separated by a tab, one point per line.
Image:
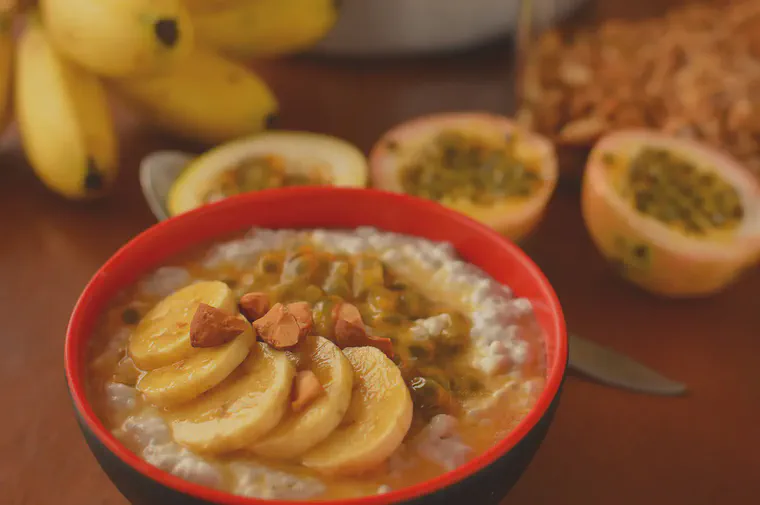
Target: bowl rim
76	341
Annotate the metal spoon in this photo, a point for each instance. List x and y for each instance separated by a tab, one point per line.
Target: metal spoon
617	370
159	170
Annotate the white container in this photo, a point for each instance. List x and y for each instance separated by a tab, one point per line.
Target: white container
402	27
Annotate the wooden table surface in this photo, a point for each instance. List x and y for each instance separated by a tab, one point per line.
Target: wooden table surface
606	446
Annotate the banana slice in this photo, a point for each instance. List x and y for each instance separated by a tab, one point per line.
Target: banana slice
300	431
163	336
188	378
241	409
377	420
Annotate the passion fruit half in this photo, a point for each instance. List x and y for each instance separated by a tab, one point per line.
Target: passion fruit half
272	159
479	164
675	217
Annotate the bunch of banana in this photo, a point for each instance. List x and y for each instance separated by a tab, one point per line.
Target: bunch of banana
171	60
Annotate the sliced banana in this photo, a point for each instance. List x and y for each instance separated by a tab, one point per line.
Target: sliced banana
163	336
189	378
376	422
241	409
299	431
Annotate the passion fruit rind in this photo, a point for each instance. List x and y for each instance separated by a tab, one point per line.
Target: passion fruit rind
657	269
270	159
477	163
712	232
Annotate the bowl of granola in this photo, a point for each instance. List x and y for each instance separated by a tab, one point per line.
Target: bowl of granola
692	72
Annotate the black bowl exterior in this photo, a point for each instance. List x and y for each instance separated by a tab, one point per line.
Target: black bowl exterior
486	487
136	487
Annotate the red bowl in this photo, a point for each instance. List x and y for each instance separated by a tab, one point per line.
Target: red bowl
485	479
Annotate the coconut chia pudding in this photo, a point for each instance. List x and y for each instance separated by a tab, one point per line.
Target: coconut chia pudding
315	364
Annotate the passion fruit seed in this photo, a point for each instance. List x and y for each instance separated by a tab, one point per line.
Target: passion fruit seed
608	159
631	257
397	286
257	173
679	194
460	166
393	319
639	256
640	251
429	394
130	316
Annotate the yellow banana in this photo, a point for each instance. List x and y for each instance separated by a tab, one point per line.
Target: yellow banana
176	371
204	97
189	378
63	117
376	422
241	409
119	37
264	27
299	431
162	337
6	60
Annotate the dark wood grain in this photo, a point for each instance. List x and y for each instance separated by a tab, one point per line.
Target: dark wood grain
606	446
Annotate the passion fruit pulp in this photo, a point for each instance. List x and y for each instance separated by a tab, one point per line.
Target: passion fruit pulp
272	159
262	172
675	217
476	163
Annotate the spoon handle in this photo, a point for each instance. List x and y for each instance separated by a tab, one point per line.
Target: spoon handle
615	369
158	171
